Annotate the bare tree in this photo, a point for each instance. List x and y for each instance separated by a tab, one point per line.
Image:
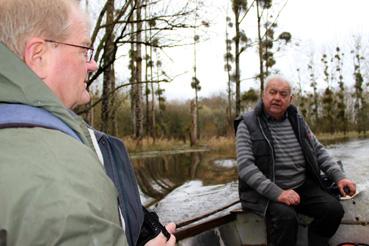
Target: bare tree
107	114
137	87
229	59
238	6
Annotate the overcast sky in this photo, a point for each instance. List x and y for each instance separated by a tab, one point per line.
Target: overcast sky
316	25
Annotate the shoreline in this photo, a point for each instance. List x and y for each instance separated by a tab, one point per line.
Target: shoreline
175	146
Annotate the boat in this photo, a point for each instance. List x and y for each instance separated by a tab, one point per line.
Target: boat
232	226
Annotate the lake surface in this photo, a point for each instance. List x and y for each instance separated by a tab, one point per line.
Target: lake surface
159	176
183	186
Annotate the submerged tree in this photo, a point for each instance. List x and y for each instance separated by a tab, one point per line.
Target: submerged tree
266	39
328	98
300	98
314	103
238	7
341	100
195	83
229	59
107	112
360	104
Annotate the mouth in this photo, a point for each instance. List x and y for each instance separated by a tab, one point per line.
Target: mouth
275	105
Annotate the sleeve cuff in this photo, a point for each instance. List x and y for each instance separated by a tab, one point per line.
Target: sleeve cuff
274	192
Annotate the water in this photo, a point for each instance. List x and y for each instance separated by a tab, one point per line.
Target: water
159	176
184	186
355	158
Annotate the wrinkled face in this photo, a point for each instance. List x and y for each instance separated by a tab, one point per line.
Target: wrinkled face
68	66
276	98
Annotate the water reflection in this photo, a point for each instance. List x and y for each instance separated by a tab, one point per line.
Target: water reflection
186	186
158	176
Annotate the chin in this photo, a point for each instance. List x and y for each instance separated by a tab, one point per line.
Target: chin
85	98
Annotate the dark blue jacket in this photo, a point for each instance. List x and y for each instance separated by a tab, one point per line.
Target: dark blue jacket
119	169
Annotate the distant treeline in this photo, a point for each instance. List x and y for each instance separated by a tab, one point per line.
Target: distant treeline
174	119
327	111
331	107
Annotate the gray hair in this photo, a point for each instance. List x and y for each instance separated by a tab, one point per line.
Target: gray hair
278	77
22	19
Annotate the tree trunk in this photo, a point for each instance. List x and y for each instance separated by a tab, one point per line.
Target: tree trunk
109	78
113	106
261	65
193	132
148	58
153	119
237	61
138	73
196	92
132	81
147	94
229	90
196	85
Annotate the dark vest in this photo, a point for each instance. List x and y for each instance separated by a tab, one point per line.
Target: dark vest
119	169
263	150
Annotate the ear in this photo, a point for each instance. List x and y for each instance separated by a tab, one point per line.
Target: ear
291	98
34	56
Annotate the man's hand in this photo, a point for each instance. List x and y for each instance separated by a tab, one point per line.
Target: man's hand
289	197
161	240
346	187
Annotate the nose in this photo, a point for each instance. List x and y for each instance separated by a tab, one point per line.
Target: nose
91	66
277	96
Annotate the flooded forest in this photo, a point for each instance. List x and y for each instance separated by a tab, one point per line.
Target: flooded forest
133	41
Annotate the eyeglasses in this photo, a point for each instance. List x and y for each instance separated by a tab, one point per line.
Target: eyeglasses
89	50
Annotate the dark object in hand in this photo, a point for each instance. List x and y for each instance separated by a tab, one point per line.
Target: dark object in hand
346	189
330	186
151	228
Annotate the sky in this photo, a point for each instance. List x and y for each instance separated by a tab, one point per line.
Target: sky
316	26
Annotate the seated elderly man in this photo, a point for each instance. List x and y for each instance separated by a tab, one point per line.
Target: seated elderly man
279	161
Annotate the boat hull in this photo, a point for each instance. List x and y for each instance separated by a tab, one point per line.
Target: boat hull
246	229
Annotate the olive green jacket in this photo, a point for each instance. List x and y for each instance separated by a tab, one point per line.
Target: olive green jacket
53	190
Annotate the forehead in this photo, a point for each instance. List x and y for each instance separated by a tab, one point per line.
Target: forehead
278	84
80	28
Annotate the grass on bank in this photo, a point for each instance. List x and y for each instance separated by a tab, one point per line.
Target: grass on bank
338	137
163	144
219	143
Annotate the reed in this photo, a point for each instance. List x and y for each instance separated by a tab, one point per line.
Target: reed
217	143
338	137
148	144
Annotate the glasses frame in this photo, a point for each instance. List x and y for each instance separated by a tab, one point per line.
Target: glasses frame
90	50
